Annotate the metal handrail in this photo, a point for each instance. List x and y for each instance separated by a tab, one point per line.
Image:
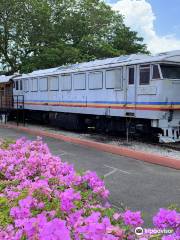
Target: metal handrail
10	102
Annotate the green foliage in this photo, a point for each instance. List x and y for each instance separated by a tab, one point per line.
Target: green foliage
4	183
109	212
61	188
23	238
53	181
174	207
40	196
41	34
155	237
2	177
23	194
52	205
79	204
85	194
5	218
5	143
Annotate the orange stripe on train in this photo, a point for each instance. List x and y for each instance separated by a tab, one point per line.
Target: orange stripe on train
118	106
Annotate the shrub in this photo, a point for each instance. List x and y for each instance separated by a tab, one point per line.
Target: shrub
43	198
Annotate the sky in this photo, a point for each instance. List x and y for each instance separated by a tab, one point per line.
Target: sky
157	21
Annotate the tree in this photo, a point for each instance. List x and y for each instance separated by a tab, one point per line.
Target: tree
40	34
24	25
7	25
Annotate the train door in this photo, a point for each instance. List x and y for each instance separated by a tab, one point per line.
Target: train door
131	91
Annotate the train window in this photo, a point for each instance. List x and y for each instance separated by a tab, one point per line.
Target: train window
114	79
131	75
53	83
155	74
79	81
26	85
34	84
43	84
95	80
21	85
144	75
17	85
170	71
66	82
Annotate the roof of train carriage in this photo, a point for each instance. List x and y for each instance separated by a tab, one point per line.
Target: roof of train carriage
6	79
172	56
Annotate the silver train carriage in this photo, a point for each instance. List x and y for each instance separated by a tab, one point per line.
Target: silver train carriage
138	89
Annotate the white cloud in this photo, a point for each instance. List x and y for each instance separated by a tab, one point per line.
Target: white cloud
139	16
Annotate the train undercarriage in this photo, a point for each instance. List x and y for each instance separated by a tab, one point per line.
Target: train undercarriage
103	124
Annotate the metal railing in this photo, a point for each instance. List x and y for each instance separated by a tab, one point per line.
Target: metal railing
11	103
18	104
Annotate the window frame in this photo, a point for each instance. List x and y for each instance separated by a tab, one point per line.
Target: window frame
169	64
27	85
21	85
32	79
66	74
48	83
92	72
121	74
160	73
79	89
131	67
17	85
46	90
150	74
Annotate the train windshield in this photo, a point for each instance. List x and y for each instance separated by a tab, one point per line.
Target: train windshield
170	71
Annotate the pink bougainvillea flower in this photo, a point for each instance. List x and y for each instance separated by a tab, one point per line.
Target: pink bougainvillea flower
133	219
45	199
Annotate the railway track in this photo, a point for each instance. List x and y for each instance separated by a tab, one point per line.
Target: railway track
173	146
122	141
